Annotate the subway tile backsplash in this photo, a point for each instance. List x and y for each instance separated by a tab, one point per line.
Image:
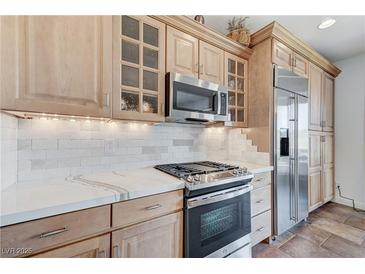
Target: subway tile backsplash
42	149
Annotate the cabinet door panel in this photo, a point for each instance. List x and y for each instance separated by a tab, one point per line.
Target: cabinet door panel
328	184
59	64
211	63
315	106
328	156
157	238
281	55
300	65
181	52
315	190
328	103
98	247
315	159
138	68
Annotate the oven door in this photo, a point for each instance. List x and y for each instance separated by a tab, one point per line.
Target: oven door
215	220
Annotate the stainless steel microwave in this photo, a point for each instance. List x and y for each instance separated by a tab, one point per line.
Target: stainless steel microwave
191	100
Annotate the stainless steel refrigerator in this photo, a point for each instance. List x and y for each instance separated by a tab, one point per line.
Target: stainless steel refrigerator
290	149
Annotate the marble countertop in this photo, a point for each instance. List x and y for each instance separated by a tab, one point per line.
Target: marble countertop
34	200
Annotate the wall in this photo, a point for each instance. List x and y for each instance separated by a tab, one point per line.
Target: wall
350	130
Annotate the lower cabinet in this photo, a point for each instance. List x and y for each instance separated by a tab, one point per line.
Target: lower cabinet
261	208
321	169
98	247
158	238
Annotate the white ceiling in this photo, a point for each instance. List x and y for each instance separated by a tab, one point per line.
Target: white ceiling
343	40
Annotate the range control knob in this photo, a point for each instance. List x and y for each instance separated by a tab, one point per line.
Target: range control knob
235	172
189	179
197	178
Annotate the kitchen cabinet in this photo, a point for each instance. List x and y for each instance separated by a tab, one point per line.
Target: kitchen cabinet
328	103
281	55
138	68
261	208
182	53
285	57
211	63
157	238
56	64
236	79
46	233
315	95
98	247
321	169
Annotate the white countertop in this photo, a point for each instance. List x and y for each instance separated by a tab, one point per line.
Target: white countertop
34	200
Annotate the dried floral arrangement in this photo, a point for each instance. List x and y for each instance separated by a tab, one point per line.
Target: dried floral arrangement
238	31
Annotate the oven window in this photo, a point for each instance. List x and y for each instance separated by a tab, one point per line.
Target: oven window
217	222
193	98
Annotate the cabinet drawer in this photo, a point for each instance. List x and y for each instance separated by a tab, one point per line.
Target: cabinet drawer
142	209
261	179
260	200
260	227
48	232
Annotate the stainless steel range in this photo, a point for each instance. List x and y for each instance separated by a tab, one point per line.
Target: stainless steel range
217	208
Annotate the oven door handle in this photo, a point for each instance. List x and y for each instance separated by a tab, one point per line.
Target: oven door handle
218	196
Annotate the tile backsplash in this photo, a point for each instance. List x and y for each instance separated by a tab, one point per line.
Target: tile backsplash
41	149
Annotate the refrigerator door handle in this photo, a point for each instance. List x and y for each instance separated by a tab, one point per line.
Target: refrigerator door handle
292	207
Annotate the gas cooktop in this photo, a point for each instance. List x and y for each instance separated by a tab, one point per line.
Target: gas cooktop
205	173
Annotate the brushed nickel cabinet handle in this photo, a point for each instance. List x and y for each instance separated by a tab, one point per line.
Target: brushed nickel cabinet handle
259	179
201	69
153	207
52	233
102	254
260	229
116	251
196	67
259	201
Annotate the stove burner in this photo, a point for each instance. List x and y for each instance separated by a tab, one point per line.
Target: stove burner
194	168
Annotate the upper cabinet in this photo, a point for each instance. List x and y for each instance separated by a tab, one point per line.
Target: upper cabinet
315	93
138	68
182	53
236	79
281	55
321	95
211	63
56	64
285	57
328	103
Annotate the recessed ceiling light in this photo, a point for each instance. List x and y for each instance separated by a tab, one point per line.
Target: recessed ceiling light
326	23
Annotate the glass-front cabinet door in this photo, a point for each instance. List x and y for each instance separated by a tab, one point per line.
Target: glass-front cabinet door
236	79
138	68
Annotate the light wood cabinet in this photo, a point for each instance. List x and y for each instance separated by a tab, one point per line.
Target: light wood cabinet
49	232
56	64
138	68
285	57
157	238
98	247
321	168
315	189
182	53
300	65
211	63
328	103
236	79
282	55
315	93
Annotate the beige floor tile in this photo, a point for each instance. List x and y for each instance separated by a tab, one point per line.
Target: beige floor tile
299	247
310	232
342	230
266	251
356	221
344	248
282	239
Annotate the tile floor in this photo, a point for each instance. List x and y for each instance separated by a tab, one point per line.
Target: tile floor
332	231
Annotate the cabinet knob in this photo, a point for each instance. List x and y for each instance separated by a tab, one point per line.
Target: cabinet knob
116	251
